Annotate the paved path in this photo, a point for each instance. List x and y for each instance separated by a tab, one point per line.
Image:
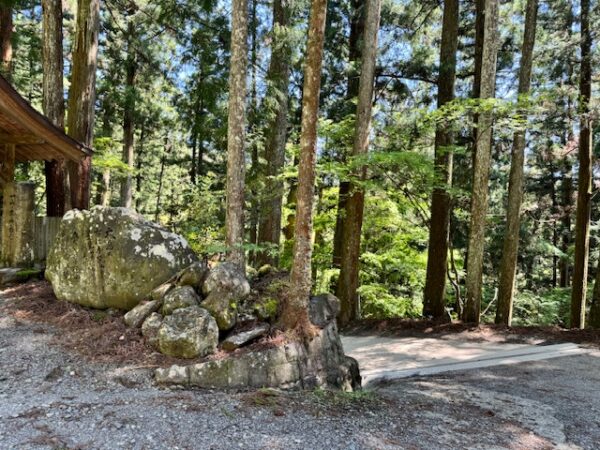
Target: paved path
384	358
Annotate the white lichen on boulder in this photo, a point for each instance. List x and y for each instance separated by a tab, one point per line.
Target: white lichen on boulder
113	258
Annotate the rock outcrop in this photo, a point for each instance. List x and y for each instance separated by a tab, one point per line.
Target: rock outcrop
113	258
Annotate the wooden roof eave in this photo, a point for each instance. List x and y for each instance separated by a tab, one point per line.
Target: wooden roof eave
12	105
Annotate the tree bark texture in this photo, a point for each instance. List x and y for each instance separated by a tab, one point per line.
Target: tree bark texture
348	281
434	295
269	231
53	99
236	134
6	49
355	48
295	308
584	185
510	249
481	167
80	118
129	120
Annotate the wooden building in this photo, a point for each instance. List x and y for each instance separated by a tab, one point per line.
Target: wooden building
25	135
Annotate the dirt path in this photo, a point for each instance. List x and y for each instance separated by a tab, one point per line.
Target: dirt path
51	398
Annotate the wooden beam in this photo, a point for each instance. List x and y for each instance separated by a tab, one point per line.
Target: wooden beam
20	139
7	164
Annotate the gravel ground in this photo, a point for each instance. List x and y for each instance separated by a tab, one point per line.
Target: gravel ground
51	398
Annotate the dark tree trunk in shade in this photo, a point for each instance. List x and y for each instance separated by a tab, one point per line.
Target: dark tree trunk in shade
584	185
481	167
6	48
129	119
236	135
510	248
53	100
437	258
269	231
82	93
348	282
295	308
357	27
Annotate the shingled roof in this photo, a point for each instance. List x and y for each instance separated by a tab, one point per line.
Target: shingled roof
35	138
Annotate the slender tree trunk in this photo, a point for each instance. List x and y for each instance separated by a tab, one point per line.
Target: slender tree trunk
355	47
53	99
295	308
129	120
348	282
510	249
434	295
138	167
80	118
6	49
269	231
253	126
584	185
236	134
481	167
161	173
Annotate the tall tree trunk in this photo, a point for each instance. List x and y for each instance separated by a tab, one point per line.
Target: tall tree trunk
53	99
6	32
80	118
481	167
355	47
584	185
510	249
269	231
129	120
253	126
347	285
295	308
236	134
434	295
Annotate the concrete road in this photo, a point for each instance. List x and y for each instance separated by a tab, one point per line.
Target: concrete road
385	358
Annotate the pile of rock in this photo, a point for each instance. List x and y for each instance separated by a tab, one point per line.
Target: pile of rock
319	362
187	314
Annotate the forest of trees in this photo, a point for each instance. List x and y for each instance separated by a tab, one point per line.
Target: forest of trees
417	158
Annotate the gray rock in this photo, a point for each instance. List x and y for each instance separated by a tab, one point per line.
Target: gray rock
140	313
193	275
223	306
188	333
227	277
238	340
179	297
150	328
8	275
113	257
323	309
161	291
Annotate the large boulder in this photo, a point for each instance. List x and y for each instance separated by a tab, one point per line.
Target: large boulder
188	333
113	258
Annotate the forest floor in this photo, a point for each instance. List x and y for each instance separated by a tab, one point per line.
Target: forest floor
55	392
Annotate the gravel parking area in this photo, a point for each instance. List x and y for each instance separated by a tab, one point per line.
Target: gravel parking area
54	398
